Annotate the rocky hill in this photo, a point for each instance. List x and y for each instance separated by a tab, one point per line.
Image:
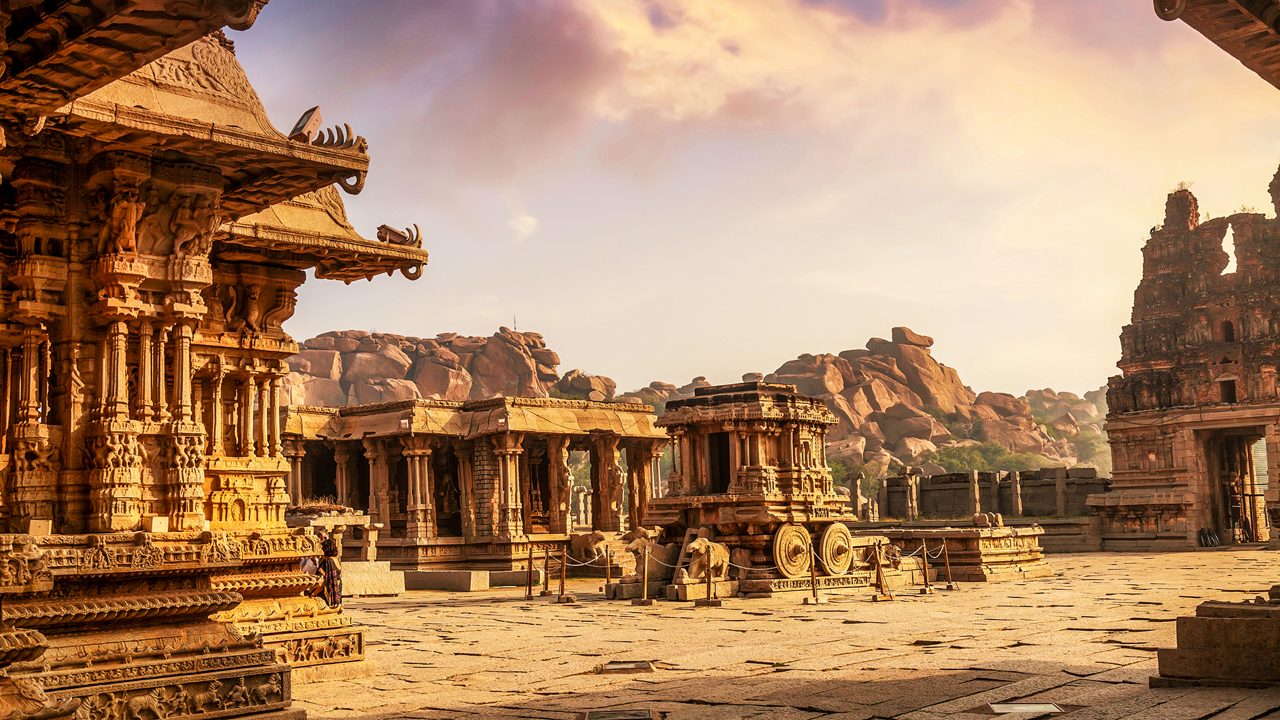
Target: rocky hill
350	367
896	404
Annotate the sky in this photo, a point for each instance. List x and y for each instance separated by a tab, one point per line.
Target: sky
673	188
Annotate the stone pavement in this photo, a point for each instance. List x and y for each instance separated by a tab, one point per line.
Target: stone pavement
1084	639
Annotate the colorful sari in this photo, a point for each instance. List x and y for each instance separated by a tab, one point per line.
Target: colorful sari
331	589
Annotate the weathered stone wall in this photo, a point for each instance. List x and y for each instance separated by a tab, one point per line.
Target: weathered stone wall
485	477
951	495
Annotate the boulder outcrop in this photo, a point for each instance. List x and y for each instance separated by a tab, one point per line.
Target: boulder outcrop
354	366
896	404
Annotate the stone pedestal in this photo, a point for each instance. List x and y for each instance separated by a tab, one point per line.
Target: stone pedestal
370	579
1224	644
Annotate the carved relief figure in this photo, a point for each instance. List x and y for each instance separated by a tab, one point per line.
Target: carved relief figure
238	695
119	229
193	223
210	699
268	691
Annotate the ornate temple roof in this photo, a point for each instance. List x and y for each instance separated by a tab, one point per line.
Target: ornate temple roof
1249	30
53	52
746	401
473	419
196	102
312	231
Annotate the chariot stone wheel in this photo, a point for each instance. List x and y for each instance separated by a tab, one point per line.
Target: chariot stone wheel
792	550
836	549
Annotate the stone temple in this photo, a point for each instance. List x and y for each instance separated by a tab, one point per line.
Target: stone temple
154	229
1194	428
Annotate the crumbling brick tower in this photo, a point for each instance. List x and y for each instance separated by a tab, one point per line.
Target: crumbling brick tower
1194	417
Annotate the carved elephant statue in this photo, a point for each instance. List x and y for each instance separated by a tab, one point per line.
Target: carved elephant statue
587	547
662	559
706	556
984	520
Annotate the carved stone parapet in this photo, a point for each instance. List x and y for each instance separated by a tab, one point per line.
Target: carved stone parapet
100	610
255	585
136	553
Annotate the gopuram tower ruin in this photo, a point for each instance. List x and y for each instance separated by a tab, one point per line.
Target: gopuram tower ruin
1194	424
154	229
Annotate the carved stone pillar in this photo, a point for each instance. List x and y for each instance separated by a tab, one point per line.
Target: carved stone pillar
246	415
653	474
1015	493
637	465
182	373
6	401
185	463
735	458
608	505
162	413
262	441
558	478
216	416
145	370
375	452
33	336
115	481
342	473
35	447
273	419
975	493
913	496
296	452
510	508
678	478
421	502
466	490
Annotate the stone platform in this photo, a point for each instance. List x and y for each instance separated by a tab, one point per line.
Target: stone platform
978	554
1085	638
364	578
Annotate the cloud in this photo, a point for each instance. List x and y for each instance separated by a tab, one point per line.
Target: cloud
983	169
523	225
